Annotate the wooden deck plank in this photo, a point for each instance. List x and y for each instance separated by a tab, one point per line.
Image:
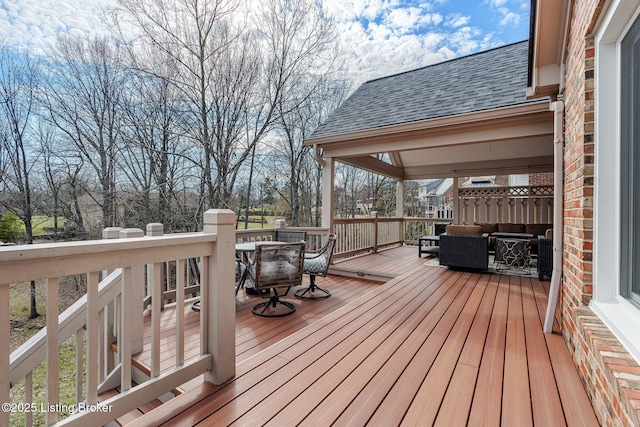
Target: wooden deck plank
516	395
393	408
487	399
315	359
360	370
291	353
456	405
436	383
325	372
432	347
545	400
572	395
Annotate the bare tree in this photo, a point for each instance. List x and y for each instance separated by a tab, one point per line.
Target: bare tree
296	158
84	101
19	82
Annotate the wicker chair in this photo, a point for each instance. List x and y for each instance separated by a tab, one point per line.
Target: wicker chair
276	265
316	264
290	236
545	257
460	248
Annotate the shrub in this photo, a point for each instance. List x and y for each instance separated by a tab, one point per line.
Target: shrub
11	229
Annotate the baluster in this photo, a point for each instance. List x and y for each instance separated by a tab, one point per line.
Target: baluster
53	352
28	398
92	338
204	305
124	341
4	351
79	370
154	273
180	275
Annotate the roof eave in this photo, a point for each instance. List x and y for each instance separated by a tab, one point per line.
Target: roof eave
547	36
440	123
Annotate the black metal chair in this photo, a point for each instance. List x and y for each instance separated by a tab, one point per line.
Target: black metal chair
545	257
317	264
276	265
290	236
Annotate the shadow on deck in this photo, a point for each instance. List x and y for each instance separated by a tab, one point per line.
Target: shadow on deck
432	346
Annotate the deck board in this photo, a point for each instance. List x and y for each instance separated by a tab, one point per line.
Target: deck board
431	347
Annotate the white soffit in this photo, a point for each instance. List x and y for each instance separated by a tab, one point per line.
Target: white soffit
548	43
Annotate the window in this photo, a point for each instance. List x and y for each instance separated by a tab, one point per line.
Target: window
630	164
616	252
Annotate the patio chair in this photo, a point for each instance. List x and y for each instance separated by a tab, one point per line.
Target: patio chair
241	272
317	264
276	265
290	236
464	247
545	255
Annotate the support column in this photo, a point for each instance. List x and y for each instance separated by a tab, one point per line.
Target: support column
400	208
219	296
400	199
456	202
328	181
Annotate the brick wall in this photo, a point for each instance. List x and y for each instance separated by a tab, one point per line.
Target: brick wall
609	373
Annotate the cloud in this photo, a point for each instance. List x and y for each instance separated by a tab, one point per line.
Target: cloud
511	12
35	24
379	37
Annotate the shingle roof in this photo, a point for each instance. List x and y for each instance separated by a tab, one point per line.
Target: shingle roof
482	81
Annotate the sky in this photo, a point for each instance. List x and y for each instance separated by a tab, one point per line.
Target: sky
378	37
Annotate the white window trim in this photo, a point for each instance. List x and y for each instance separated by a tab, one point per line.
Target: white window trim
622	317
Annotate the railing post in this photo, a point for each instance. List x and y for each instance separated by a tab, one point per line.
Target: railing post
108	336
220	310
135	316
154	229
374	231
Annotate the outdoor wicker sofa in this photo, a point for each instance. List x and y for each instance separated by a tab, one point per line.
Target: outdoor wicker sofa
464	246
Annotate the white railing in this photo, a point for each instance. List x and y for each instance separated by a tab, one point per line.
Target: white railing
519	204
316	236
116	301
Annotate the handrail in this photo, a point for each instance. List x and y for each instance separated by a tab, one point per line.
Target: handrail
126	259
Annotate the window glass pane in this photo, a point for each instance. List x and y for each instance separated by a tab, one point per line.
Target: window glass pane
630	165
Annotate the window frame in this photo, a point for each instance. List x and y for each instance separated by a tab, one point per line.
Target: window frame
611	283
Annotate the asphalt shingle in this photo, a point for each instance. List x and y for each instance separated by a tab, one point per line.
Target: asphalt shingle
483	81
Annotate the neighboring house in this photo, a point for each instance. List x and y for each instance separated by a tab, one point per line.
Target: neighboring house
566	102
436	196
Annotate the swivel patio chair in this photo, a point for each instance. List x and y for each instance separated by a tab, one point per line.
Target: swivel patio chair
276	265
240	274
317	264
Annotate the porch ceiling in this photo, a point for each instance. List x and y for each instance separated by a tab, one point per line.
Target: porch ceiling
514	139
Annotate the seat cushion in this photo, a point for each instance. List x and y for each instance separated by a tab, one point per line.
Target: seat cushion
537	229
316	264
464	230
488	227
507	227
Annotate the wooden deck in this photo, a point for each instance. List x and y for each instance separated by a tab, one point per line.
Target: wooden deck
431	347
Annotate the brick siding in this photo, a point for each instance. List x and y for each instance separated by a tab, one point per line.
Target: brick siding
609	373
